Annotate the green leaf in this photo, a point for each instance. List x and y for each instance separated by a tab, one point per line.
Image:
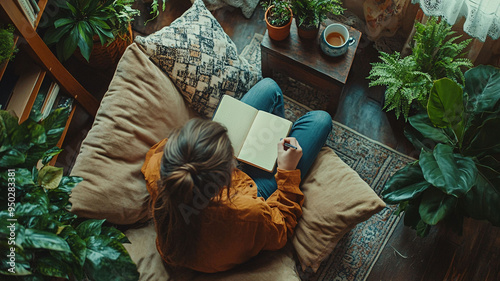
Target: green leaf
63	21
483	200
452	173
436	205
38	239
107	260
423	124
70	43
72	8
21	264
68	183
34	203
50	266
89	228
12	158
485	139
85	42
482	85
22	177
445	106
422	228
6	227
54	125
53	35
49	177
76	243
114	234
405	184
49	154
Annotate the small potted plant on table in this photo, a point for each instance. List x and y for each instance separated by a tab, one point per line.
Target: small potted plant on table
278	18
310	13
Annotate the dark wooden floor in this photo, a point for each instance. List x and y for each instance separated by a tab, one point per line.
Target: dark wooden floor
443	255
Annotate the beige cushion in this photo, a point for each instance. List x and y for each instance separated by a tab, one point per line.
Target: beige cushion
140	107
336	199
276	266
201	59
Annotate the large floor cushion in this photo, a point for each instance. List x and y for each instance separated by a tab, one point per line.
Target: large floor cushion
140	108
276	265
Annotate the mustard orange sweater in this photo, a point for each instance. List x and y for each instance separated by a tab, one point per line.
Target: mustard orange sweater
235	230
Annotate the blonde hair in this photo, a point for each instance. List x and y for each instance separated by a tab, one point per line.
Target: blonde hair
197	164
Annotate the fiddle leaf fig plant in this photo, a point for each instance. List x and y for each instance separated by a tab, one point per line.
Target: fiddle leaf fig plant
458	172
40	239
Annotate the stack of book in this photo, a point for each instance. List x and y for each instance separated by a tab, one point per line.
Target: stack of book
49	98
30	9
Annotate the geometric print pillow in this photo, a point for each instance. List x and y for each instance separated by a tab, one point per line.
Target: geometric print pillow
201	59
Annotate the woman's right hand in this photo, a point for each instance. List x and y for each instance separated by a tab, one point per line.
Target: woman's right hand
288	157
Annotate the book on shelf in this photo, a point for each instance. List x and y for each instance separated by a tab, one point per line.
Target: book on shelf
50	100
28	10
23	90
34	4
254	134
42	95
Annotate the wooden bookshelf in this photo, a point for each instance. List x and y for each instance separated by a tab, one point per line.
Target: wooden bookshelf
41	54
37	54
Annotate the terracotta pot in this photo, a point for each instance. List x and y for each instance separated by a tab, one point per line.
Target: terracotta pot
278	33
307	33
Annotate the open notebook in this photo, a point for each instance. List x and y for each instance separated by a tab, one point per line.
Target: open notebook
254	134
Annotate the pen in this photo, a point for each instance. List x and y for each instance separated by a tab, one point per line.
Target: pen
289	145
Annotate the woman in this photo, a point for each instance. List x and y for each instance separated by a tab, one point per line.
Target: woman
209	215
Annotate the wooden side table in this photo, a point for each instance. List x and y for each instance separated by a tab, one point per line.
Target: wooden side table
304	61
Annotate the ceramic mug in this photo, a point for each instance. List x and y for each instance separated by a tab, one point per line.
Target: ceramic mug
335	40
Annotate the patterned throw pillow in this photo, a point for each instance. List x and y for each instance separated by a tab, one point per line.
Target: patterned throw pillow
201	59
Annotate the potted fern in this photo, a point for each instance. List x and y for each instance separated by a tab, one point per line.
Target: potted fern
409	79
39	238
310	13
278	18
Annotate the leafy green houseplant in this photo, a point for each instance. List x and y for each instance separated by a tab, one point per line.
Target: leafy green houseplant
39	238
155	9
310	13
7	47
79	21
458	172
278	18
409	79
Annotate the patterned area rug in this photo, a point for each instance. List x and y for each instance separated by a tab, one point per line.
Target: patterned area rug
359	249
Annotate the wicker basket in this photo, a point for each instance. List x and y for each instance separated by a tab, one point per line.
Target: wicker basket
104	57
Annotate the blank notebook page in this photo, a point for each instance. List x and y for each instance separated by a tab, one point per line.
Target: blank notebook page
261	145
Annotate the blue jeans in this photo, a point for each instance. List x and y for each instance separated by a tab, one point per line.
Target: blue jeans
310	130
